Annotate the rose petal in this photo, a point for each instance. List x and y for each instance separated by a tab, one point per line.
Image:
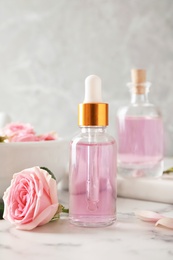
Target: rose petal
47	137
48	182
148	216
165	222
44	217
53	191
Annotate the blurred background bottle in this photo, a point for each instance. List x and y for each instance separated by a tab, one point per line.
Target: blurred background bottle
140	132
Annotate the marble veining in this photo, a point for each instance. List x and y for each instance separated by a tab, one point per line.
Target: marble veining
127	238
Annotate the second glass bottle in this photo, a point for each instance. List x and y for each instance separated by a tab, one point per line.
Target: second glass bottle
140	132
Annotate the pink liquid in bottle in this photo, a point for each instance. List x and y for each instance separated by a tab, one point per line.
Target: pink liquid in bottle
92	183
140	146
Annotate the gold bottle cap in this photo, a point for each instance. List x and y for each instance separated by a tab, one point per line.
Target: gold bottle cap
138	80
93	112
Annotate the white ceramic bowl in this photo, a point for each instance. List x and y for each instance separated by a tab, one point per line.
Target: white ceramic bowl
15	157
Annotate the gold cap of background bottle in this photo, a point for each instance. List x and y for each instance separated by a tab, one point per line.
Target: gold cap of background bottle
93	112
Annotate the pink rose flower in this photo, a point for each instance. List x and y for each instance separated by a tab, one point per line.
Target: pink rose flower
23	137
31	200
17	132
18	128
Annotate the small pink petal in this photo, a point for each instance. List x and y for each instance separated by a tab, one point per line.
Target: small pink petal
165	222
147	215
47	137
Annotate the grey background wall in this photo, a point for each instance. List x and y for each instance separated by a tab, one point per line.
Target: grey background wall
48	47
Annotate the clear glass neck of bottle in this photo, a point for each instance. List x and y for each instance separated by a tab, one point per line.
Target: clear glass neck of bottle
93	129
139	92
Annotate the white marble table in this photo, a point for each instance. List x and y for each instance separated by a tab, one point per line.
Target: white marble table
129	238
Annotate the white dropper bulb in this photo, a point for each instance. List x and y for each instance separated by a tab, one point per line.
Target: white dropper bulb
93	92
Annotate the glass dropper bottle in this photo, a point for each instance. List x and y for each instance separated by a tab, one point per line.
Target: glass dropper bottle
92	175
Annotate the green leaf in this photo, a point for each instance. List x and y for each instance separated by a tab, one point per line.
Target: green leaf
3	138
55	217
51	173
170	170
1	209
64	210
60	209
